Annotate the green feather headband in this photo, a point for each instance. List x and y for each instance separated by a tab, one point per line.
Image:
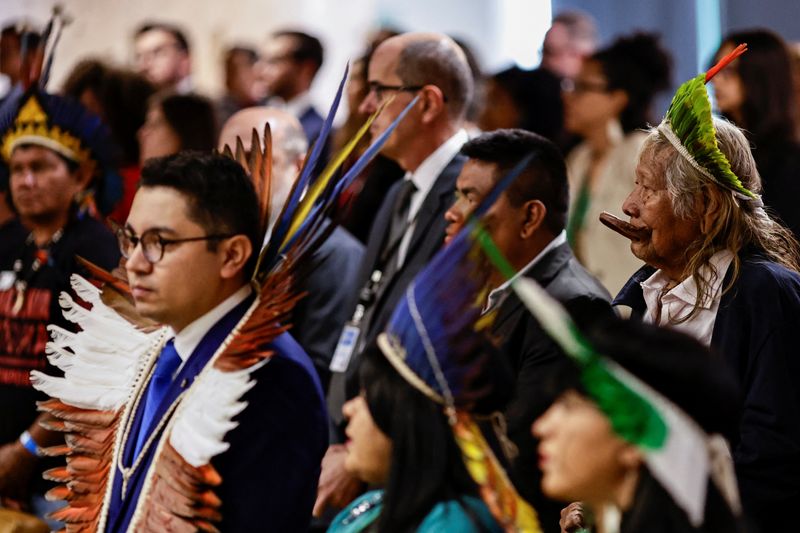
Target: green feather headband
689	127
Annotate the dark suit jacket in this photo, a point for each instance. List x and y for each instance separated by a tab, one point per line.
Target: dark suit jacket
534	357
426	240
755	332
319	317
311	121
270	472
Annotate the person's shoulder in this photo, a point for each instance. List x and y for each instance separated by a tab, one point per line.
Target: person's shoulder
291	365
760	279
342	241
454	516
92	240
573	282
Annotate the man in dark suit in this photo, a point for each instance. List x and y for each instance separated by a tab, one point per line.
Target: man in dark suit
527	224
409	228
290	62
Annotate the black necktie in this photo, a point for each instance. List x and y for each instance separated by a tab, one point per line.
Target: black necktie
398	227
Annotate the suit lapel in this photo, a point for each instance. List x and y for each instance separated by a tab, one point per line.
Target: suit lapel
435	203
543	272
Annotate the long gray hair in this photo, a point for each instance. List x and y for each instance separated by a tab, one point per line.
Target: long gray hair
741	224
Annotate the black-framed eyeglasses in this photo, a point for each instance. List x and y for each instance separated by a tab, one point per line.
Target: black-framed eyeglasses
380	89
582	86
153	243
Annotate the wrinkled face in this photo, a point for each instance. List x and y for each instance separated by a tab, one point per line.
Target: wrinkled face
278	67
369	450
159	58
502	221
156	136
589	105
42	186
649	206
178	288
580	456
382	74
728	88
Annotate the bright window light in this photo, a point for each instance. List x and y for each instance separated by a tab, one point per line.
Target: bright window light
523	24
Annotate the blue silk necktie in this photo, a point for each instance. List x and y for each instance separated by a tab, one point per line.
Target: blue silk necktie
168	362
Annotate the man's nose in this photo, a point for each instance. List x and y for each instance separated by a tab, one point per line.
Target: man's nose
369	104
629	206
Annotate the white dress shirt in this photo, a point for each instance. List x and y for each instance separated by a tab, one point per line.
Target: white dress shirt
424	178
678	302
496	296
189	337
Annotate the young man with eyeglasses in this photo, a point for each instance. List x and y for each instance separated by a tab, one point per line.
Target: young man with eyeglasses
191	242
409	227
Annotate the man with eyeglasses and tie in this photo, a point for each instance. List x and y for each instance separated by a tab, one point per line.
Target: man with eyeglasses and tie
409	227
191	241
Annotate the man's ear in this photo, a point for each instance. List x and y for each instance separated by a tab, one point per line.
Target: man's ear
234	251
534	213
431	103
711	206
631	457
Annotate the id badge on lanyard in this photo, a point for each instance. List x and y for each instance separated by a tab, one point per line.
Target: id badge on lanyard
348	340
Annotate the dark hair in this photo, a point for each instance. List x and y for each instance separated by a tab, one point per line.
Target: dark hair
545	178
640	67
177	33
439	62
427	467
770	110
221	197
673	363
123	96
307	47
191	117
249	53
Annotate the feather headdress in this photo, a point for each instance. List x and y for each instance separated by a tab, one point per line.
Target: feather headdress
434	342
689	127
677	450
30	115
91	403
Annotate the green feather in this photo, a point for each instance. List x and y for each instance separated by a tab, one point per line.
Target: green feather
689	116
632	417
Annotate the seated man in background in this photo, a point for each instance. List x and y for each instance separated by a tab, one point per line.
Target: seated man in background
163	56
331	281
527	223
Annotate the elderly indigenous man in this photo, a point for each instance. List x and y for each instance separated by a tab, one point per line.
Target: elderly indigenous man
409	228
527	224
52	149
221	418
318	318
719	268
162	56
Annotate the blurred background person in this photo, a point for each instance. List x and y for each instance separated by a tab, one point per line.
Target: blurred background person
607	104
243	86
572	37
531	99
120	98
358	205
162	55
290	62
176	122
330	283
11	39
757	93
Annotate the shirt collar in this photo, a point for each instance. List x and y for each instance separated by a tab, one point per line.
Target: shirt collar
497	294
686	291
299	104
426	173
187	340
